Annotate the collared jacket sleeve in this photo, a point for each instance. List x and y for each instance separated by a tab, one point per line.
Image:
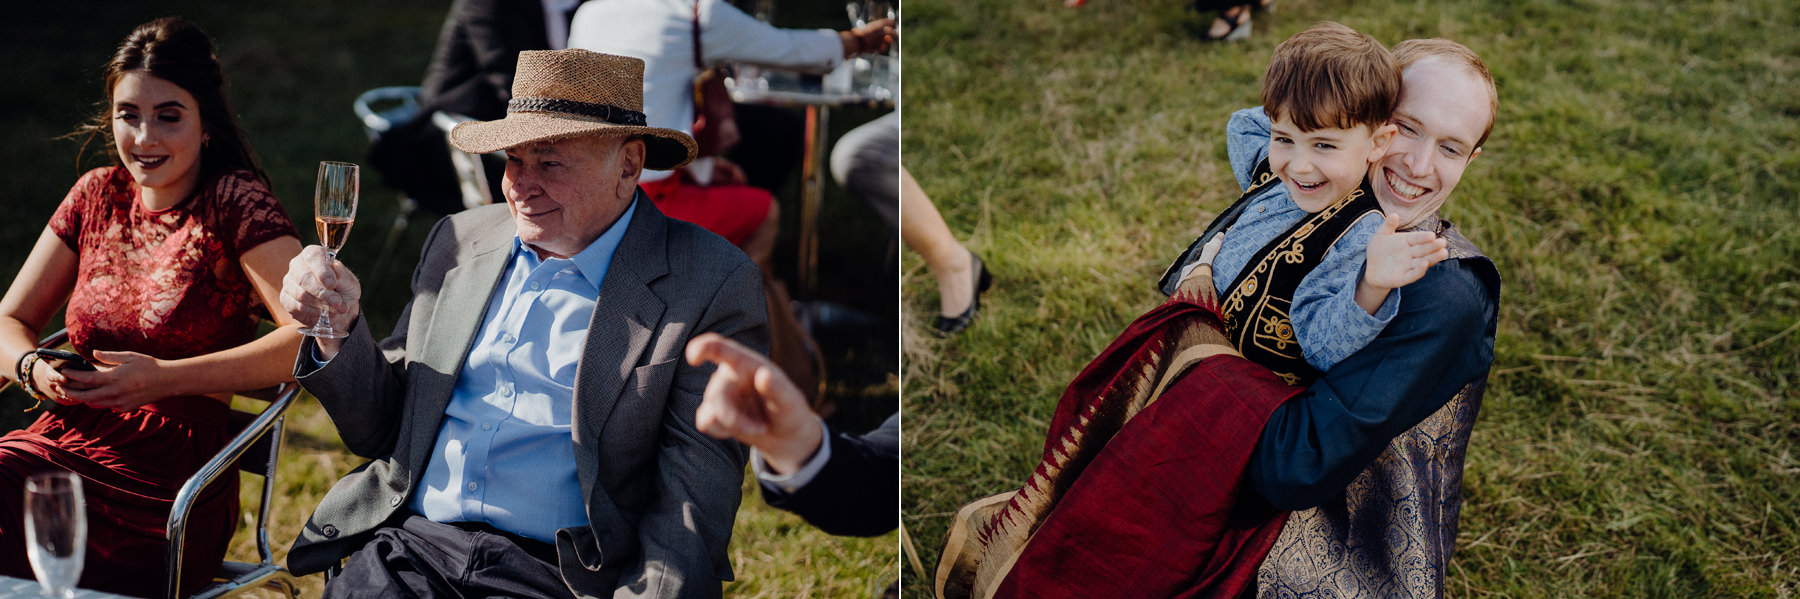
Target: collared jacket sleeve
857	492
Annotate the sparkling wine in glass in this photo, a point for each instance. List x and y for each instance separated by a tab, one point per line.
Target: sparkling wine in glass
334	210
55	530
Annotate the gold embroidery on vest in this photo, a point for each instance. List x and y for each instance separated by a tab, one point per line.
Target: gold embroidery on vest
1274	330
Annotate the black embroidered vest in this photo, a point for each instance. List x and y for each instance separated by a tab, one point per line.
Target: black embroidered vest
1256	305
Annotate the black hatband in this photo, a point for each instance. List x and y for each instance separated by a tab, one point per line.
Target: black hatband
605	112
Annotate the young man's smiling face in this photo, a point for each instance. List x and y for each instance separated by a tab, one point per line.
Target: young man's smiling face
1321	166
1442	112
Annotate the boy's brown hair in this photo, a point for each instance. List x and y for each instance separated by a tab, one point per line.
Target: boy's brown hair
1331	76
1410	51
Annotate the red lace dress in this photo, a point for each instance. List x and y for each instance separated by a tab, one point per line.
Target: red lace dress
166	284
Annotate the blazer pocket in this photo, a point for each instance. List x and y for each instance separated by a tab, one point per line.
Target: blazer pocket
652	375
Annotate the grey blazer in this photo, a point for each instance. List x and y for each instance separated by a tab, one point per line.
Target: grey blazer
661	496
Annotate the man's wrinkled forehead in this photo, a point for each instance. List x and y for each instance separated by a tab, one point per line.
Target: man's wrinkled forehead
1449	101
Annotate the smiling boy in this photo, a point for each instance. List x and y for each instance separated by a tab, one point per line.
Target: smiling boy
1328	99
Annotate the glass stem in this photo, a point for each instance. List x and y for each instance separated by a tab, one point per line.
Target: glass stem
324	323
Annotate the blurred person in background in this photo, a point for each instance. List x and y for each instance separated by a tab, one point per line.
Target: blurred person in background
470	75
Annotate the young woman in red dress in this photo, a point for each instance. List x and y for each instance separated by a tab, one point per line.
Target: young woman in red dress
168	260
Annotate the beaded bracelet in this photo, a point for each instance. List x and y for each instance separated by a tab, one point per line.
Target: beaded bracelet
19	364
30	384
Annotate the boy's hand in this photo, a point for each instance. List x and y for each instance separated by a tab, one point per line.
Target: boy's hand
1397	259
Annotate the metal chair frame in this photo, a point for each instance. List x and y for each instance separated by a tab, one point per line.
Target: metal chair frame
256	449
402	105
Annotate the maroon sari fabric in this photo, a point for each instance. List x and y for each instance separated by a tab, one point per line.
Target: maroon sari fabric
1160	512
168	284
1137	491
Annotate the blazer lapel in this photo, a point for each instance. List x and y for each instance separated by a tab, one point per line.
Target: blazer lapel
626	318
461	303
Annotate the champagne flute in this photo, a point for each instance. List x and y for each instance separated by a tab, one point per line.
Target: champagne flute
334	210
55	530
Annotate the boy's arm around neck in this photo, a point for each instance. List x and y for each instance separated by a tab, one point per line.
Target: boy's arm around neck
1441	339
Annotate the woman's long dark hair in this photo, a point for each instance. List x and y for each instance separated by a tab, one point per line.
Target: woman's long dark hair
177	51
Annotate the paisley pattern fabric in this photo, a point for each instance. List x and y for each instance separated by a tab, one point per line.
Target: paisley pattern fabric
1392	532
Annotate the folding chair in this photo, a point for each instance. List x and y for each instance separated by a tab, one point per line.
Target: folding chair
471	178
383	108
380	109
255	449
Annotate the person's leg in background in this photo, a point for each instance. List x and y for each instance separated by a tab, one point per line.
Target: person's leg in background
961	276
867	162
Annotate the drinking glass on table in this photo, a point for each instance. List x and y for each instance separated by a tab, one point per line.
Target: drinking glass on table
55	530
334	210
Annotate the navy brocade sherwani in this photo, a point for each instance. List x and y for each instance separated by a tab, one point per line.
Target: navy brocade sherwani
1391	531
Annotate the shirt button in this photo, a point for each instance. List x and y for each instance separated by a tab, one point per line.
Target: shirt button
486	426
507	338
329	531
536	286
395	501
471	486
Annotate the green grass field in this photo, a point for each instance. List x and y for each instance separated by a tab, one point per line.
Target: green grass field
1639	195
295	68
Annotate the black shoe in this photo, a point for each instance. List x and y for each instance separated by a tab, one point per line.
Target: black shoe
947	325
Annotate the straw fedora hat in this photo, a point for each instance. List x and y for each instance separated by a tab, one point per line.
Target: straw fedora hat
560	94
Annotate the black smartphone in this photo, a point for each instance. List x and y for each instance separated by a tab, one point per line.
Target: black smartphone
70	360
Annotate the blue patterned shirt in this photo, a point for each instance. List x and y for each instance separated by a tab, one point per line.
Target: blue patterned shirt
1327	321
505	454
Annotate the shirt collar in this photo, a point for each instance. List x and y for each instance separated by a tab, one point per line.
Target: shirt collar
593	261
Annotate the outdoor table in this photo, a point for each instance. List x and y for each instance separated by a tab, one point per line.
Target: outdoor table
872	81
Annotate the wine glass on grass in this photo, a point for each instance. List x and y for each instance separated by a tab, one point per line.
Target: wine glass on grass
334	210
55	530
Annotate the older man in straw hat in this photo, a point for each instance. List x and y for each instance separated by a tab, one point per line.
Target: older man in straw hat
530	420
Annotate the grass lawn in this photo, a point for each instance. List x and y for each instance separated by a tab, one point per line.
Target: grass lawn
294	70
1639	195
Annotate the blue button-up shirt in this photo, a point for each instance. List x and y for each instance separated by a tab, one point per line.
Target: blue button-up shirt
505	455
1327	321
